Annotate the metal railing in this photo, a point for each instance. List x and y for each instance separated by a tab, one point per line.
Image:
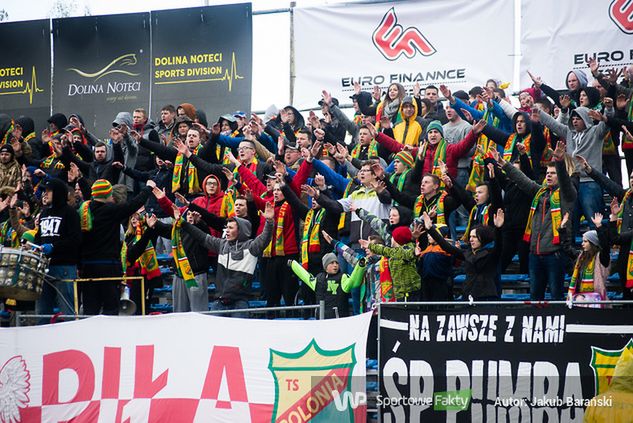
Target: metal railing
320	308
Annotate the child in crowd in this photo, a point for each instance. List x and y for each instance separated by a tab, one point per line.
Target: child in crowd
331	285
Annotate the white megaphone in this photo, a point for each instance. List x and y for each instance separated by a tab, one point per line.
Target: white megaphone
127	307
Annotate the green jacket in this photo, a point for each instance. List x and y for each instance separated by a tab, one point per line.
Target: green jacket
332	289
402	265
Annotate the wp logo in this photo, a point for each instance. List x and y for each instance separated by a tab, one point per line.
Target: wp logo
392	41
621	13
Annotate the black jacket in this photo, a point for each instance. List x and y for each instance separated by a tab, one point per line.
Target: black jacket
103	242
197	254
59	226
480	267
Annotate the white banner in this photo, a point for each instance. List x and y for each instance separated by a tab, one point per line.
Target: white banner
184	368
460	43
559	36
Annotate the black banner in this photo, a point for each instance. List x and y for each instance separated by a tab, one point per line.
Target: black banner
102	67
497	364
25	70
203	56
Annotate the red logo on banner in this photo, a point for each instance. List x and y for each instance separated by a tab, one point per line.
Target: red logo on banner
392	41
621	12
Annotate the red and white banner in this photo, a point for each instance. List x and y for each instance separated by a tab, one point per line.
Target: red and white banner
559	36
184	368
460	43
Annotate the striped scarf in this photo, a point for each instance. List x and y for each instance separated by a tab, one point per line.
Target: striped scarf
279	233
227	208
85	216
192	174
183	268
310	239
341	221
483	145
629	262
440	154
9	236
586	280
420	206
608	148
483	219
622	205
554	205
29	137
387	294
372	150
508	149
401	179
48	162
147	261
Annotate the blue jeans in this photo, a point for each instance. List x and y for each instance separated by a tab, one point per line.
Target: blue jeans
589	202
218	305
546	270
50	298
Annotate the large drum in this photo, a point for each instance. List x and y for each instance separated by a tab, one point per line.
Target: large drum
22	274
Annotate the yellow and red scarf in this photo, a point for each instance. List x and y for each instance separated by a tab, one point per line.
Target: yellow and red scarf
484	219
192	173
85	216
586	279
420	206
147	261
279	233
554	205
310	239
372	150
183	268
387	294
508	149
440	154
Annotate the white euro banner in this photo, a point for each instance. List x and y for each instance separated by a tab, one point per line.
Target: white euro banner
460	43
557	37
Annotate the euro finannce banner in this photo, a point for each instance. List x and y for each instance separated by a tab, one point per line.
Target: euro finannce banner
460	43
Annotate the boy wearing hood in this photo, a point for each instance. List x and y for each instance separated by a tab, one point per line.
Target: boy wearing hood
331	285
237	259
583	138
59	233
123	123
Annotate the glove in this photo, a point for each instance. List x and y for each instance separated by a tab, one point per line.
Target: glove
47	249
289	263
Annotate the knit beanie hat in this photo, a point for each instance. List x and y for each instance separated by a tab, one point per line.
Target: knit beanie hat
402	235
592	236
405	158
29	236
437	125
327	259
101	189
7	148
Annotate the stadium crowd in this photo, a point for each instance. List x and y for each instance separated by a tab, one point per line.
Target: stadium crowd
330	208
